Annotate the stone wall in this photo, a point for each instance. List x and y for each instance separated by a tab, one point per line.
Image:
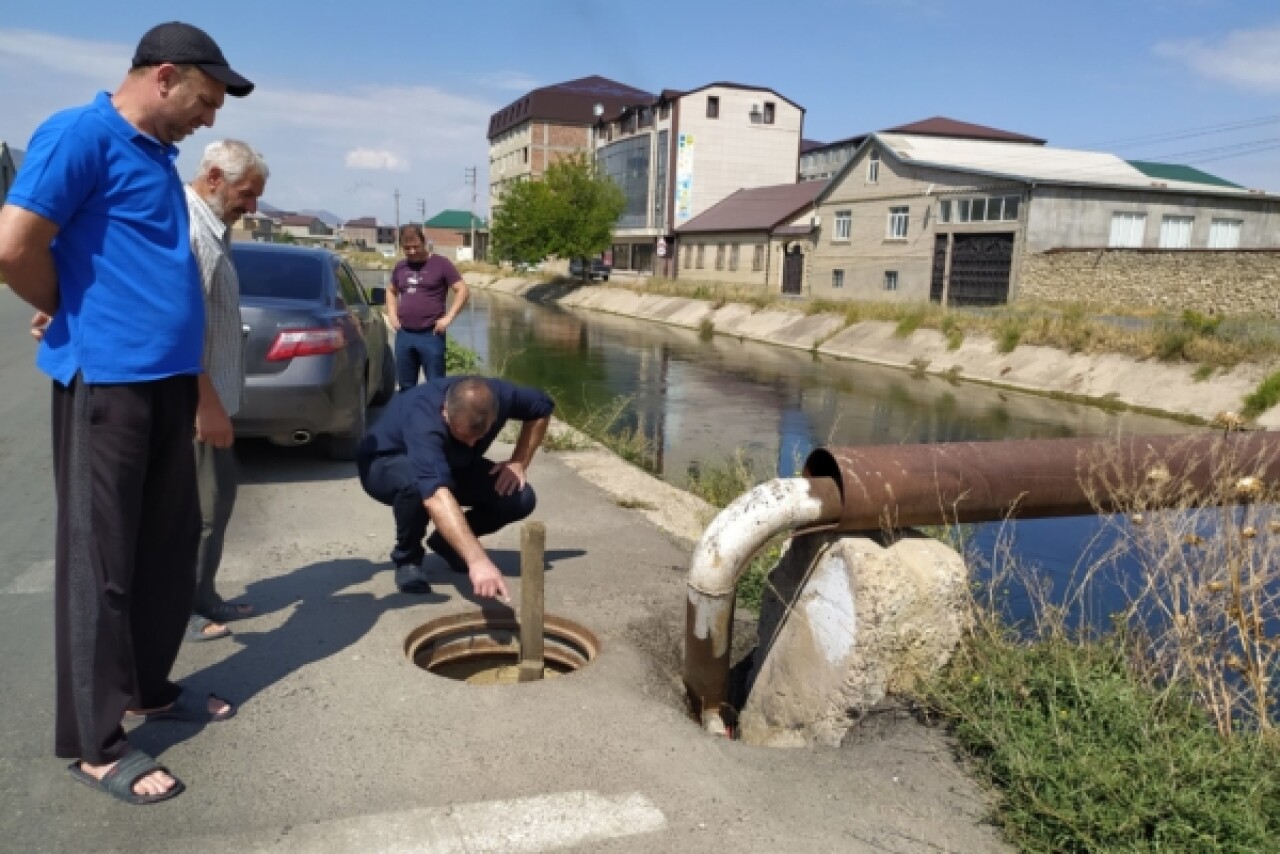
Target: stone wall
1227	281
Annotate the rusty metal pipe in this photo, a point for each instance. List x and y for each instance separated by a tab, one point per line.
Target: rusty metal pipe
898	486
885	488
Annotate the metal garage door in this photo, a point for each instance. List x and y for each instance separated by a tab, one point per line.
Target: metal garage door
980	265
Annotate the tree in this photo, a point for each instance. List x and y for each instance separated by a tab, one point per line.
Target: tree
570	213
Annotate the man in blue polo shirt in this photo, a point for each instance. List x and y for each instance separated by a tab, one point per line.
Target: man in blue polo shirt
425	458
95	235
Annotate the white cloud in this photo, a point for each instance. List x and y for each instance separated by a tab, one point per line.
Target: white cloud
1246	58
414	140
97	61
367	158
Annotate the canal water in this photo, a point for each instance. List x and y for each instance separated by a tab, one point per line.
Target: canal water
701	402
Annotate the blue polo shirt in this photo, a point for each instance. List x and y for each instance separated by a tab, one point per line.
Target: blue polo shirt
131	308
413	425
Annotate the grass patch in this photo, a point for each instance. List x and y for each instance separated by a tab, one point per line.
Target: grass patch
1009	333
1203	373
706	329
909	323
1265	396
460	359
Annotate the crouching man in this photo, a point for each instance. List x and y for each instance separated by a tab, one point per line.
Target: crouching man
425	458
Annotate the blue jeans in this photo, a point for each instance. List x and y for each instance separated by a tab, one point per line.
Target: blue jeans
418	350
390	480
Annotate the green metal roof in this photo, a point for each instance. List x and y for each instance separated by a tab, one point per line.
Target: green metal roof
1175	172
454	220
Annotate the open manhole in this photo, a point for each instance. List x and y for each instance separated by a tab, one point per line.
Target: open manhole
484	648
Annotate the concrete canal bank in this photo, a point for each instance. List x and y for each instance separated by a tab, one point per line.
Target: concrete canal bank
1104	379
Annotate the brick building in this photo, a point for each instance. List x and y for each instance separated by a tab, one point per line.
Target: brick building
545	124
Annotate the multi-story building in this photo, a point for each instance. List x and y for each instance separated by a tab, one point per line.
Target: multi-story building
535	130
679	154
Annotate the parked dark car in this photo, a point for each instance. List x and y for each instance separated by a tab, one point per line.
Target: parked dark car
596	267
316	350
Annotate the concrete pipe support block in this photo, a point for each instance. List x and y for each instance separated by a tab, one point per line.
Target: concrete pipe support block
847	623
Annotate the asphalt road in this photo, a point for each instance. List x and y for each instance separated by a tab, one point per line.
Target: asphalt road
342	745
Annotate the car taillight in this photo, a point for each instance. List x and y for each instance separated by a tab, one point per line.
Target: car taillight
291	343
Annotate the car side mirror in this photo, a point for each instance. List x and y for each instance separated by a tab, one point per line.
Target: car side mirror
377	296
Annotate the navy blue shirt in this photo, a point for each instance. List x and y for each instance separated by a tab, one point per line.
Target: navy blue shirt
413	424
130	302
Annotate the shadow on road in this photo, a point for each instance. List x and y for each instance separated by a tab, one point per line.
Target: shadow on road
325	621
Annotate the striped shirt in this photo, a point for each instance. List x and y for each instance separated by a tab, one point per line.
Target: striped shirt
223	348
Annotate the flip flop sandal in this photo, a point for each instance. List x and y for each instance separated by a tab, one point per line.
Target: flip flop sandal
197	634
193	709
119	781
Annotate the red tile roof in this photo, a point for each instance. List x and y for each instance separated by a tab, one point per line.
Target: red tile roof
756	209
943	126
570	102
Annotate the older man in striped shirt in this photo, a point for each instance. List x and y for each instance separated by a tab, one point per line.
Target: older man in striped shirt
230	181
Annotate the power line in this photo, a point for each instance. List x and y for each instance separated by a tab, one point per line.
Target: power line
1188	133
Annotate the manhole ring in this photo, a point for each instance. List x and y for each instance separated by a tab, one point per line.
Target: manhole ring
483	648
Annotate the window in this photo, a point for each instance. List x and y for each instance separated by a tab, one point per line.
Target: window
1175	232
1225	234
757	258
944	210
702	256
688	256
719	256
768	112
664	111
837	278
978	209
713	107
1127	229
873	167
994	207
844	221
733	256
1011	204
899	220
890	280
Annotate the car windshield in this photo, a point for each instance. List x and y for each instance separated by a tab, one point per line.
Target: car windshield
279	274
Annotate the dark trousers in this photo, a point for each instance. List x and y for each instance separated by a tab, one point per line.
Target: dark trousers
217	477
127	532
390	480
418	350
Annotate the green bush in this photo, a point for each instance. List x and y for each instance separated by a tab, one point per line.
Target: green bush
909	323
459	359
1264	397
1172	343
1201	324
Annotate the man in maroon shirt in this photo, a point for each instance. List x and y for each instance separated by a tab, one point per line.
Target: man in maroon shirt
416	307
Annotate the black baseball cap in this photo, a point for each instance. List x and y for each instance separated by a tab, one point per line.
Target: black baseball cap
183	44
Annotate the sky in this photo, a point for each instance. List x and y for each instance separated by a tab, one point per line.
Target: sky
358	102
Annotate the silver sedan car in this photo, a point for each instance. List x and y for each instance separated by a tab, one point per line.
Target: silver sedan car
316	348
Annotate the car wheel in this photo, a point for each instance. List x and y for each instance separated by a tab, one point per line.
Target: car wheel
343	448
387	387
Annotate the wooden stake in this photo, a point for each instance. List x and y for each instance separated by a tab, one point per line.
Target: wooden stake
533	546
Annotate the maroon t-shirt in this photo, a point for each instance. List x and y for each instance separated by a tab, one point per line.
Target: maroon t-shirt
421	290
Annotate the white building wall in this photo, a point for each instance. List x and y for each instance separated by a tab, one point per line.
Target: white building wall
732	152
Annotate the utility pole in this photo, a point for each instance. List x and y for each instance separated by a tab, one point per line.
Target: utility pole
397	195
422	209
471	179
